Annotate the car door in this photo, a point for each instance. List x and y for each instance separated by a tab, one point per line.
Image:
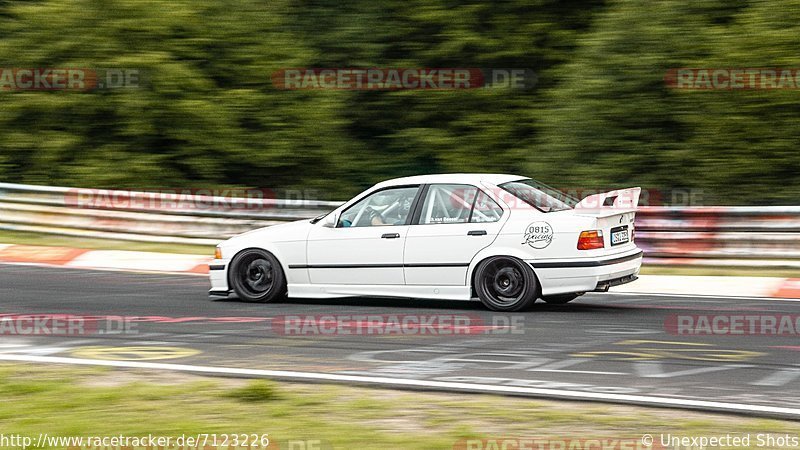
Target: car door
366	245
454	223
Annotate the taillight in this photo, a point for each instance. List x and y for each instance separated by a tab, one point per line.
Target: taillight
590	240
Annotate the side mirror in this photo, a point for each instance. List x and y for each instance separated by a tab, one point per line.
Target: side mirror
331	220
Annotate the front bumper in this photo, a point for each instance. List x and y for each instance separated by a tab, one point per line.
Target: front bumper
586	275
218	275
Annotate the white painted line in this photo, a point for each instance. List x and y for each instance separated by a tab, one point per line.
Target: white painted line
129	260
423	384
586	372
728	297
104	269
709	285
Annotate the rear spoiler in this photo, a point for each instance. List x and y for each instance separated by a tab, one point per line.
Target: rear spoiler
614	202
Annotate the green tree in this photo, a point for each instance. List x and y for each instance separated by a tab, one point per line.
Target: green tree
613	121
205	114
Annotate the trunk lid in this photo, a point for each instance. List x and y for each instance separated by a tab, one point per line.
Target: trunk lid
614	213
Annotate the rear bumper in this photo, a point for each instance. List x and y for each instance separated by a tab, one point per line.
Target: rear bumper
603	286
586	275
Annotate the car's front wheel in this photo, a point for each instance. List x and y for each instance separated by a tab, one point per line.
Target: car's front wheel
256	276
505	284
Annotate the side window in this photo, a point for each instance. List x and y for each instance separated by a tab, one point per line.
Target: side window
386	207
448	203
485	210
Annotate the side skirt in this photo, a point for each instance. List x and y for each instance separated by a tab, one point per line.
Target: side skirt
401	291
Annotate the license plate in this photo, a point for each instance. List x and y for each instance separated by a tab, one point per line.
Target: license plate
619	235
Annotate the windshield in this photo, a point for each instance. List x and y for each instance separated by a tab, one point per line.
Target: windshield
540	196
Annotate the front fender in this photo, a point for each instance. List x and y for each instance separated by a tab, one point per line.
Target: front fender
287	242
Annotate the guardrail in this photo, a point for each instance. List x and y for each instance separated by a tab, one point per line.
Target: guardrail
144	216
767	236
715	236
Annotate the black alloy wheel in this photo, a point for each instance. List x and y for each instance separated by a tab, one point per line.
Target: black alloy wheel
506	284
256	276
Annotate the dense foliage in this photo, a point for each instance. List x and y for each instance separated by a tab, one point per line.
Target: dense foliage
207	115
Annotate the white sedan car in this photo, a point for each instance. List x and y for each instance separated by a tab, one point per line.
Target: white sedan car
504	239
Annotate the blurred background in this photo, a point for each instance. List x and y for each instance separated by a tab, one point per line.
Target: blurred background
205	116
206	113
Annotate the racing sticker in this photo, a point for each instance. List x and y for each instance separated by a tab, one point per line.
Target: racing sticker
539	235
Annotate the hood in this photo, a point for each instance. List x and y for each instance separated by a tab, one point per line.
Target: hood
285	232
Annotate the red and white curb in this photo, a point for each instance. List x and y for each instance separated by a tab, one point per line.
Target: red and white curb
122	260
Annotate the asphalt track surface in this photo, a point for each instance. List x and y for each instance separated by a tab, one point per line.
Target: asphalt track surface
607	347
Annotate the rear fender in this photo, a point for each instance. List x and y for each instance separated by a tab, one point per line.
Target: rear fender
494	251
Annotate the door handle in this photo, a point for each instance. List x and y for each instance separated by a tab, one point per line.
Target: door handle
477	233
390	236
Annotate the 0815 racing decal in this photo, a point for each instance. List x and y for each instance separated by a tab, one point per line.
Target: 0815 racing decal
538	235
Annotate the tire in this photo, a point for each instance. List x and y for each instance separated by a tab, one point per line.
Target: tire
505	284
256	276
561	298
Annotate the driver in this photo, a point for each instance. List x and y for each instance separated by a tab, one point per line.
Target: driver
394	214
375	218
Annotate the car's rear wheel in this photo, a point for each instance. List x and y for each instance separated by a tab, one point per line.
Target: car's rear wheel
505	284
256	276
561	298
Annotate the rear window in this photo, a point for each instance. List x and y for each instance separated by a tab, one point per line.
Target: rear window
540	196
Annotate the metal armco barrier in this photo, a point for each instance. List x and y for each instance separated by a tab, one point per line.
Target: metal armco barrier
764	236
144	216
712	236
